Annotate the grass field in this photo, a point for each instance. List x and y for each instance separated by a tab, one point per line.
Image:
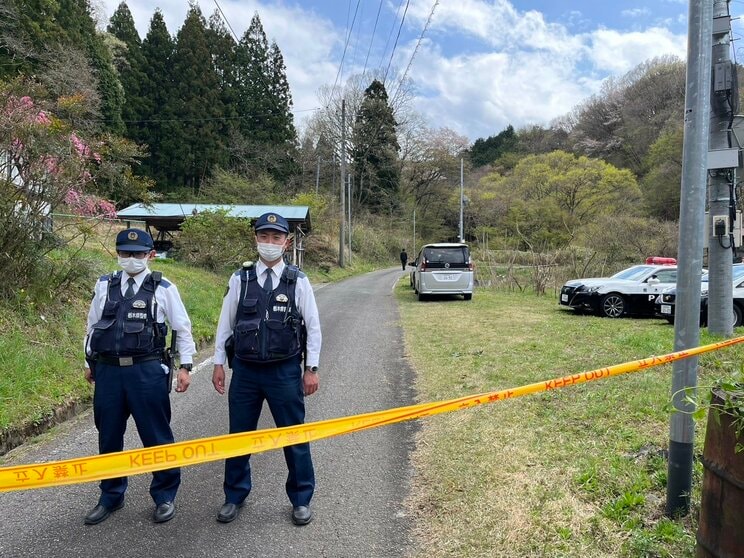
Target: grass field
579	471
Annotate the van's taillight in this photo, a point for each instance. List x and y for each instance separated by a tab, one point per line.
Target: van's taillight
423	265
471	266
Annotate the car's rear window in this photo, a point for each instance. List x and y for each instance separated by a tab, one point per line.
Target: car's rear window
450	255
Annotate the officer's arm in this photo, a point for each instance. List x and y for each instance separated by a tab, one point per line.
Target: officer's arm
178	318
309	309
94	315
226	322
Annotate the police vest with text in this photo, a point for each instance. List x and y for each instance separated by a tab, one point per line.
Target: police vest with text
268	326
127	326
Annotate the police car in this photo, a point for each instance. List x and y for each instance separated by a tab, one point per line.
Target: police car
632	291
665	302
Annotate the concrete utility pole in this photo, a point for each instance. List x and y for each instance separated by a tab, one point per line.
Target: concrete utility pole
462	200
342	232
722	162
317	176
689	270
350	180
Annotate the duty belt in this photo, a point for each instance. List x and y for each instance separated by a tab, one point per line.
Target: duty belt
127	360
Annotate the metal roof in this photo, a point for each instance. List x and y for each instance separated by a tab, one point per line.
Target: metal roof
171	215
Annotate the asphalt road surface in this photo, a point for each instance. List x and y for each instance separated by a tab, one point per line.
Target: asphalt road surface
362	478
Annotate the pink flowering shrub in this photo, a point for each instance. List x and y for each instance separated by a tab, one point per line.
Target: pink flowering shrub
89	205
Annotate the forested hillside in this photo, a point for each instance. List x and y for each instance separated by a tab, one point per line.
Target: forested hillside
98	117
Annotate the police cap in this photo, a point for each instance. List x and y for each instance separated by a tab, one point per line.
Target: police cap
134	240
272	221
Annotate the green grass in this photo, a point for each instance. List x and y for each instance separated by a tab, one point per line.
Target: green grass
41	350
578	471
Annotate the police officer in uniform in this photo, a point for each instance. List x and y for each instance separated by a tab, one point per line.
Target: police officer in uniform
269	317
124	354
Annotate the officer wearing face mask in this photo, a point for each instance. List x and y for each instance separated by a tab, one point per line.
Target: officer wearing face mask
268	319
126	336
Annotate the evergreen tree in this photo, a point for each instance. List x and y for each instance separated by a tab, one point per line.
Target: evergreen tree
269	138
485	152
156	91
195	145
27	29
33	32
224	55
375	151
77	27
282	128
131	72
254	100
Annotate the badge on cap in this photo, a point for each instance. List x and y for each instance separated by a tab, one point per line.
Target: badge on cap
281	298
271	218
132	235
139	304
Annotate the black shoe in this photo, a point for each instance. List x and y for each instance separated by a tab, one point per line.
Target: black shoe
101	512
302	515
164	512
228	512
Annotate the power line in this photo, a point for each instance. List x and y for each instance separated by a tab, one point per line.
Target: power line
204	119
400	28
348	38
371	40
384	51
415	50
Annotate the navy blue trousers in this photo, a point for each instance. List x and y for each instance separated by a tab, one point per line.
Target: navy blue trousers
141	391
280	384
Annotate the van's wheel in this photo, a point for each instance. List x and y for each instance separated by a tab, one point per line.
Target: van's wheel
467	296
612	305
737	316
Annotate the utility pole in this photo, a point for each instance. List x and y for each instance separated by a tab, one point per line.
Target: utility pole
317	176
414	232
689	269
342	232
350	180
462	200
722	162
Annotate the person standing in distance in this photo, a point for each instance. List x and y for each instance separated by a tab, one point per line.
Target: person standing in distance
403	258
268	312
124	349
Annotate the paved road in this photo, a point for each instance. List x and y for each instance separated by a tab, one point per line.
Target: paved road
362	478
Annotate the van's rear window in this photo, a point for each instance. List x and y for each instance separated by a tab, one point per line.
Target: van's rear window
453	255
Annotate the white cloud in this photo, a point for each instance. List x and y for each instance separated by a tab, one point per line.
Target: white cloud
635	12
484	64
617	53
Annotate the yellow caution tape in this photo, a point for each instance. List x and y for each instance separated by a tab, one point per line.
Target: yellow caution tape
179	454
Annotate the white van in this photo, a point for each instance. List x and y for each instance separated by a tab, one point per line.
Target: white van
443	268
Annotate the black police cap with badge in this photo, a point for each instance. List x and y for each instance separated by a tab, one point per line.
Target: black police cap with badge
272	221
134	240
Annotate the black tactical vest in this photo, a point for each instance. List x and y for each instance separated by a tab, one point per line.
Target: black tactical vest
127	326
268	326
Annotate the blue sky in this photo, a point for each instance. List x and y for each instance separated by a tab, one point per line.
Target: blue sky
482	64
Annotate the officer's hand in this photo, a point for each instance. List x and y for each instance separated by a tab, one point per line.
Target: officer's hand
311	382
89	376
218	378
183	381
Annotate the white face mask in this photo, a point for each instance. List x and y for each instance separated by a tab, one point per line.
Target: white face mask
270	252
133	266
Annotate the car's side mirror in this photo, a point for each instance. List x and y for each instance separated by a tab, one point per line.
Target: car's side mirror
412	264
653	280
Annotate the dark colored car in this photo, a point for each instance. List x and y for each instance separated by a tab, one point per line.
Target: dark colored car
632	291
665	302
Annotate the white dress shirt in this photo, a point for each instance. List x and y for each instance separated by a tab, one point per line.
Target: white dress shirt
304	301
170	310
